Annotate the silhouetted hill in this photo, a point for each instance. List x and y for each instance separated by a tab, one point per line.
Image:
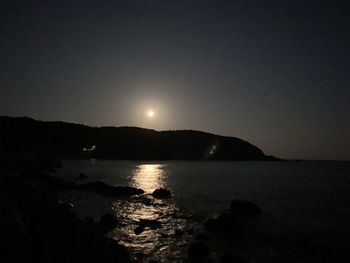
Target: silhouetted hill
66	140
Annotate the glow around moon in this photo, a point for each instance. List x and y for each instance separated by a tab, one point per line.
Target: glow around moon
150	113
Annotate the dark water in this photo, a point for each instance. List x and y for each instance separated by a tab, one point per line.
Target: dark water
308	200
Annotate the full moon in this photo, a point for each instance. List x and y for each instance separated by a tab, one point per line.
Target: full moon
150	113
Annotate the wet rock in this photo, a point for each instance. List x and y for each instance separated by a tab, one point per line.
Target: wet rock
245	208
143	200
231	258
152	224
225	224
198	252
108	221
161	193
82	176
108	190
138	230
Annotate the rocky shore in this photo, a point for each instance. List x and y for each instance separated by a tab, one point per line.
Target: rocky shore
38	226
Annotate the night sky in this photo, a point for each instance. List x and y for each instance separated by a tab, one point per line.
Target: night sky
275	73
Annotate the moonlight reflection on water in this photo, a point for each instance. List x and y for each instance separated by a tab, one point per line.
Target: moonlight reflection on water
149	177
164	243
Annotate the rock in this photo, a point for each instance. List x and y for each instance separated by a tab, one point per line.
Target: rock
153	224
108	221
245	208
198	252
108	190
138	230
38	228
113	252
82	176
50	183
143	200
231	258
161	193
225	223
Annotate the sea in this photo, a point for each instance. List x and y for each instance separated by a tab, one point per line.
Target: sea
306	206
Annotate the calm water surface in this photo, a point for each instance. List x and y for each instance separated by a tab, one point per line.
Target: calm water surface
298	198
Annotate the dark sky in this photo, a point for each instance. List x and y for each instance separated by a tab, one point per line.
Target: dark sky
275	73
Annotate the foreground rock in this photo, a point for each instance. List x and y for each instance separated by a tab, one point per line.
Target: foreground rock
232	258
161	193
45	182
112	191
38	228
225	224
82	176
198	252
245	208
108	222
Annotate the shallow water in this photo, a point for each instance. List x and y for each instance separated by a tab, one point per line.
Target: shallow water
299	199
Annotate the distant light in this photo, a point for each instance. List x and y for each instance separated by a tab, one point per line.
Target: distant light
213	149
86	149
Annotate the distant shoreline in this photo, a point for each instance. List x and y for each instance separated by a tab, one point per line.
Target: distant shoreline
68	140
